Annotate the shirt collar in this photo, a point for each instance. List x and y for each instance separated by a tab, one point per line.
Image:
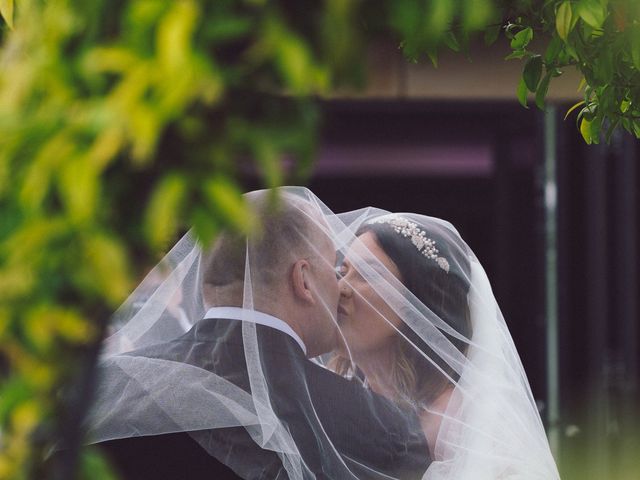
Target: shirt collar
253	316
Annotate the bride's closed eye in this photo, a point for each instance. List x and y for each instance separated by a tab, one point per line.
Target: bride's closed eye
341	271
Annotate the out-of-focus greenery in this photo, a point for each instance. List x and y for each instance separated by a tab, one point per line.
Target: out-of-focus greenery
123	122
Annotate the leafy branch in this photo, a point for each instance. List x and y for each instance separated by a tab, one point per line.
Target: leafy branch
601	39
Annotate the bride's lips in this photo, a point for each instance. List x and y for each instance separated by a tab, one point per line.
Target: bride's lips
342	314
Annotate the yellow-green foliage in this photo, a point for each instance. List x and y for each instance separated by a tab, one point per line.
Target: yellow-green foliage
124	122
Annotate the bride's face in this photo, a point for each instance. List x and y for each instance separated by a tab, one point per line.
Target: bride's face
366	321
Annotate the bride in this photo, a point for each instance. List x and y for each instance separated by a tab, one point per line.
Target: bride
421	327
417	337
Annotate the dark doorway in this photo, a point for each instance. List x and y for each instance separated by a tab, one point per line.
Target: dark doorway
475	165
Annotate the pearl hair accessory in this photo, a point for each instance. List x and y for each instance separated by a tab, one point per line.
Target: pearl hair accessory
418	237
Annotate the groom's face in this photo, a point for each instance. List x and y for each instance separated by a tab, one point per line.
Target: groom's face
325	284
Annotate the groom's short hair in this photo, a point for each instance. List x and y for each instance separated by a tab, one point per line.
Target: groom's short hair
284	233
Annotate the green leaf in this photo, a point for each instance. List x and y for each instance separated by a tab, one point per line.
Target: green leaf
27	414
604	66
438	17
624	106
145	125
13	391
228	28
516	54
432	53
634	40
571	51
582	84
294	60
476	14
592	12
564	20
38	325
6	10
32	239
94	465
205	225
227	200
164	209
522	93
588	112
541	94
405	18
173	37
45	321
522	38
108	59
16	282
553	49
596	127
491	34
451	41
39	174
79	187
532	72
606	100
585	130
268	159
107	266
573	108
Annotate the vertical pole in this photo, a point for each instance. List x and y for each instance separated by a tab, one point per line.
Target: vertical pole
625	296
597	308
551	280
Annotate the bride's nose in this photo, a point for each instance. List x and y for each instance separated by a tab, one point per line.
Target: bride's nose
345	289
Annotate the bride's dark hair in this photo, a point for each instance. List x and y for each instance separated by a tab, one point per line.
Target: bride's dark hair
416	379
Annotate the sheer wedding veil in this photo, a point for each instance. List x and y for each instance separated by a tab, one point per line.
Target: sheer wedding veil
401	367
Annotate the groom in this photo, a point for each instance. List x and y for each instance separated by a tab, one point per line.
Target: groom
336	426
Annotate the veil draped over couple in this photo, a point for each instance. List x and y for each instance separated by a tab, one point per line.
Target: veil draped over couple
358	345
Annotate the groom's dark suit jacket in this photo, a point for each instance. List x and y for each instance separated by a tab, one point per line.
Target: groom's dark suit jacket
365	428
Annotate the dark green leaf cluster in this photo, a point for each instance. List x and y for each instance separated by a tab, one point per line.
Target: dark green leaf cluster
425	25
601	39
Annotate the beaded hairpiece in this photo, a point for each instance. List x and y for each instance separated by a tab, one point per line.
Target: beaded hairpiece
426	246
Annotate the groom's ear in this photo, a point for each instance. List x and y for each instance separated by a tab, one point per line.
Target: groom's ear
300	281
